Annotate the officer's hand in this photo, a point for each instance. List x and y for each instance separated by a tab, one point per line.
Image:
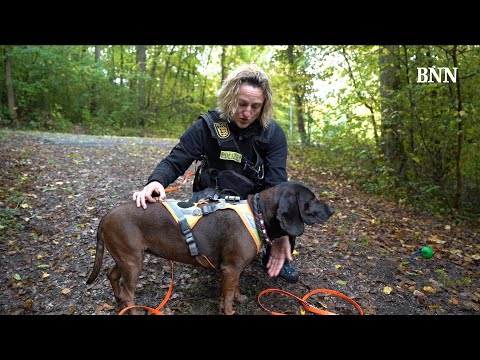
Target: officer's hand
279	252
147	194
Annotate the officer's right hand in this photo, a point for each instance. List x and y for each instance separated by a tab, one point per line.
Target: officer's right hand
154	188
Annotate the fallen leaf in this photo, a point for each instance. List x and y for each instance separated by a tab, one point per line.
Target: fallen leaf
436	240
65	291
295	252
28	304
45	275
325	306
17	277
338	266
387	290
429	289
418	293
108	307
453	301
105	306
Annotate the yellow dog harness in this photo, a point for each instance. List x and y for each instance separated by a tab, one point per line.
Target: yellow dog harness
187	218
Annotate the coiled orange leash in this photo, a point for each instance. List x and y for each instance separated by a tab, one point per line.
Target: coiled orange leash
304	303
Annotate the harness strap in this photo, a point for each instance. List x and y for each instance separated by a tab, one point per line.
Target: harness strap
186	230
192	245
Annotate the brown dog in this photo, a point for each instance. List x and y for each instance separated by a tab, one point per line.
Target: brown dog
128	231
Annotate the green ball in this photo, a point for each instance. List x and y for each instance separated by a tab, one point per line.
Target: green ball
427	252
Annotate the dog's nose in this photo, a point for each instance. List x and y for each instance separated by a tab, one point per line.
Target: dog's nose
330	210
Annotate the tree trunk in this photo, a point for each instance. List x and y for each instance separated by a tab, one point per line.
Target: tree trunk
458	154
411	129
122	65
141	58
95	92
163	79
297	93
223	60
204	87
9	84
153	70
112	73
392	145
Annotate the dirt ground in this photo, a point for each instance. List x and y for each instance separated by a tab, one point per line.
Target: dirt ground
55	188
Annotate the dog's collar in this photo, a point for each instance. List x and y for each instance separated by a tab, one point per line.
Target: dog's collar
260	224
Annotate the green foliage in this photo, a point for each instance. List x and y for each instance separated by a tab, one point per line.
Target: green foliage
398	138
448	282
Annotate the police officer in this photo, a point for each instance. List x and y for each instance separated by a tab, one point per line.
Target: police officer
242	149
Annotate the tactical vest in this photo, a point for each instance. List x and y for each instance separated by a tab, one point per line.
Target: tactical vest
229	156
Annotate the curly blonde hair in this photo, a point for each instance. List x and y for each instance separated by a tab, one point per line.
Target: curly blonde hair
228	94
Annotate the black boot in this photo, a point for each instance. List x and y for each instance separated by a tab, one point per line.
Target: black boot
287	272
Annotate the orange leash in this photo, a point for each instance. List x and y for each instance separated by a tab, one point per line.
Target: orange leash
173	188
306	306
151	310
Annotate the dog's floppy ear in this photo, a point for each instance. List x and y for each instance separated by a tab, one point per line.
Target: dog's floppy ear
312	210
288	214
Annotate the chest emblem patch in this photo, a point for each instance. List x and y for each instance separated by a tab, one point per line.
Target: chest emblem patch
222	130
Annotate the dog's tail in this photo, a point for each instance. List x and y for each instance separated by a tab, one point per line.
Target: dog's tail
98	255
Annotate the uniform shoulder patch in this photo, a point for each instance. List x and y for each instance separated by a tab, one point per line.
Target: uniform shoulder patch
222	130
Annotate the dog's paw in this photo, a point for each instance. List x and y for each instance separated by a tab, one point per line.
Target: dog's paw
241	298
223	312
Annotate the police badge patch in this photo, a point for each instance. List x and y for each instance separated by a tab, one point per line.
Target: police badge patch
222	130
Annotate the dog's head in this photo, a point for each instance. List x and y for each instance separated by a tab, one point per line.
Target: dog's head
297	206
